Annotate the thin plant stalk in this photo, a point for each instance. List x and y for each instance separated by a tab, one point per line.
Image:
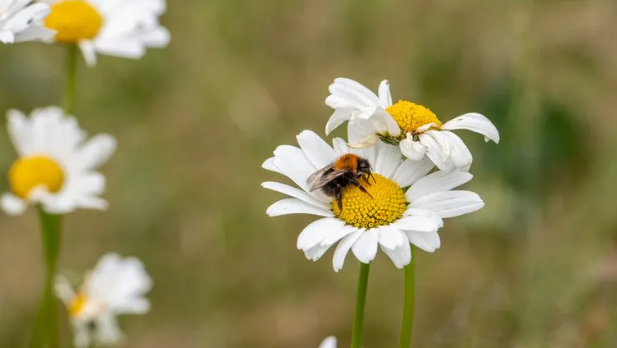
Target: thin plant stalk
358	321
72	56
409	303
45	332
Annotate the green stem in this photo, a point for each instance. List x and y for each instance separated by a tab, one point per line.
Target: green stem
358	321
45	332
408	306
72	56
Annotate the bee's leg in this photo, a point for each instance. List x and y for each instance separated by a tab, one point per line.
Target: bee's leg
355	182
339	198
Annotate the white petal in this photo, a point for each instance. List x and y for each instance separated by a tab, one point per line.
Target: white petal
81	333
425	213
19	130
354	91
12	204
390	237
387	159
428	242
476	123
293	163
294	192
338	118
107	330
89	52
449	204
365	248
417	223
384	94
7	37
338	235
361	133
343	248
316	149
317	231
340	147
438	149
96	151
63	289
400	256
329	342
411	171
414	150
295	206
437	182
459	153
269	165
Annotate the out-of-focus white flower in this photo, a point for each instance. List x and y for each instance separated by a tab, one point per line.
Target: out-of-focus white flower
20	21
329	342
56	165
115	286
122	28
384	216
413	127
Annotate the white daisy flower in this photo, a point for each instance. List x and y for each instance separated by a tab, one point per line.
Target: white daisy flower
20	21
384	216
115	286
413	127
56	164
329	342
122	28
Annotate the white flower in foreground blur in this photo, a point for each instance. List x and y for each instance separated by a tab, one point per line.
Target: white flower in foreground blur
122	28
20	22
115	286
329	342
384	216
56	164
413	127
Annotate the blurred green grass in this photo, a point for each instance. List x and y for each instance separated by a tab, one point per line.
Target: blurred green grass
535	268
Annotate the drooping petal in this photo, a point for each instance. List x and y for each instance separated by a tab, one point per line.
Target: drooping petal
437	182
460	156
438	149
449	204
339	117
384	94
414	150
365	248
400	256
390	236
342	249
474	122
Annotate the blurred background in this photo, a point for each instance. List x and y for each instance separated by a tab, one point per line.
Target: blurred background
537	267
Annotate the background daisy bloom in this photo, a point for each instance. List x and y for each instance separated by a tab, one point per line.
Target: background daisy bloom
122	28
389	217
56	165
413	127
329	342
19	22
115	286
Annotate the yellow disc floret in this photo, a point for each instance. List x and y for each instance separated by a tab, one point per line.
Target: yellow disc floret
410	116
384	203
30	172
74	20
77	305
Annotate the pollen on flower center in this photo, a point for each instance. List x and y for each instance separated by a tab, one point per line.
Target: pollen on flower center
410	116
74	20
384	203
30	172
77	305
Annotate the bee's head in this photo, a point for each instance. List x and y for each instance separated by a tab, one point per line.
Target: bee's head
364	167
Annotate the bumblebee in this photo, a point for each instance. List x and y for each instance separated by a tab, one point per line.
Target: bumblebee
344	171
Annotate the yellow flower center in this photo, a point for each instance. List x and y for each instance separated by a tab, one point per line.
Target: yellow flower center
384	203
74	20
410	116
34	171
77	305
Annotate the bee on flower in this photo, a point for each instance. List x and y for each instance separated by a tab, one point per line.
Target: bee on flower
115	286
413	127
116	28
56	164
389	204
22	21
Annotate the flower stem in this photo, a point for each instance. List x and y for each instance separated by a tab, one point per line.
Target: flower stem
358	321
409	302
72	56
45	332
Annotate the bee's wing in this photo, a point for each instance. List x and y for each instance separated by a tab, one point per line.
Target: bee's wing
322	177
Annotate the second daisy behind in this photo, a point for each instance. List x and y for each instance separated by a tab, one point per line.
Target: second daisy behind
384	216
